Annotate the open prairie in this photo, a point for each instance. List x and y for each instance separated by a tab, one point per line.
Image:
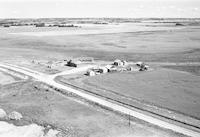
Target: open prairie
39	104
169	87
164	44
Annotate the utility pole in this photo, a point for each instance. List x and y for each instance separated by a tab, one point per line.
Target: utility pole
129	119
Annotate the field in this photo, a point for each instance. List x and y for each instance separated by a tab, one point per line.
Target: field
171	87
171	45
41	105
189	68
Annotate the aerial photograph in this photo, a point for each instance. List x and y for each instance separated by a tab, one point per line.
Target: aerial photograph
99	68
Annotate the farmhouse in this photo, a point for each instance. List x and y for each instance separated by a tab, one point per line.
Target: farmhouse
118	62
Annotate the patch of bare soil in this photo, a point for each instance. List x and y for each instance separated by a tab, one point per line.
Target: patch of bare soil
5	79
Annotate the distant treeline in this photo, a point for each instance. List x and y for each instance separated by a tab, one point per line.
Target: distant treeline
69	22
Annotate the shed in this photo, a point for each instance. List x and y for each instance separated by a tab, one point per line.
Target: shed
2	113
139	63
113	69
108	67
144	67
90	73
124	62
118	62
129	69
103	70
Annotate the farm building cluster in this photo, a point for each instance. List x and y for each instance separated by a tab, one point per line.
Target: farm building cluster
98	67
66	62
117	66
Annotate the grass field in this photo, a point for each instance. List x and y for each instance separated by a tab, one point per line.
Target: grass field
191	69
170	89
172	45
43	106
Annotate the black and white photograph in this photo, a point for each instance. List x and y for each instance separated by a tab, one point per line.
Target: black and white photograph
99	68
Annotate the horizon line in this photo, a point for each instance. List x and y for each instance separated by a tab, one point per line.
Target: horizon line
102	18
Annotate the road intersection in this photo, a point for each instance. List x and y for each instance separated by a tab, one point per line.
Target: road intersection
49	80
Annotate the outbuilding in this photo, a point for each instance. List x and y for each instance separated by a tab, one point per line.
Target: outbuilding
124	62
144	67
118	62
90	73
113	69
103	70
108	67
139	63
2	113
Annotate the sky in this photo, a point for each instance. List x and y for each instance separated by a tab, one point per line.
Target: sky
100	8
